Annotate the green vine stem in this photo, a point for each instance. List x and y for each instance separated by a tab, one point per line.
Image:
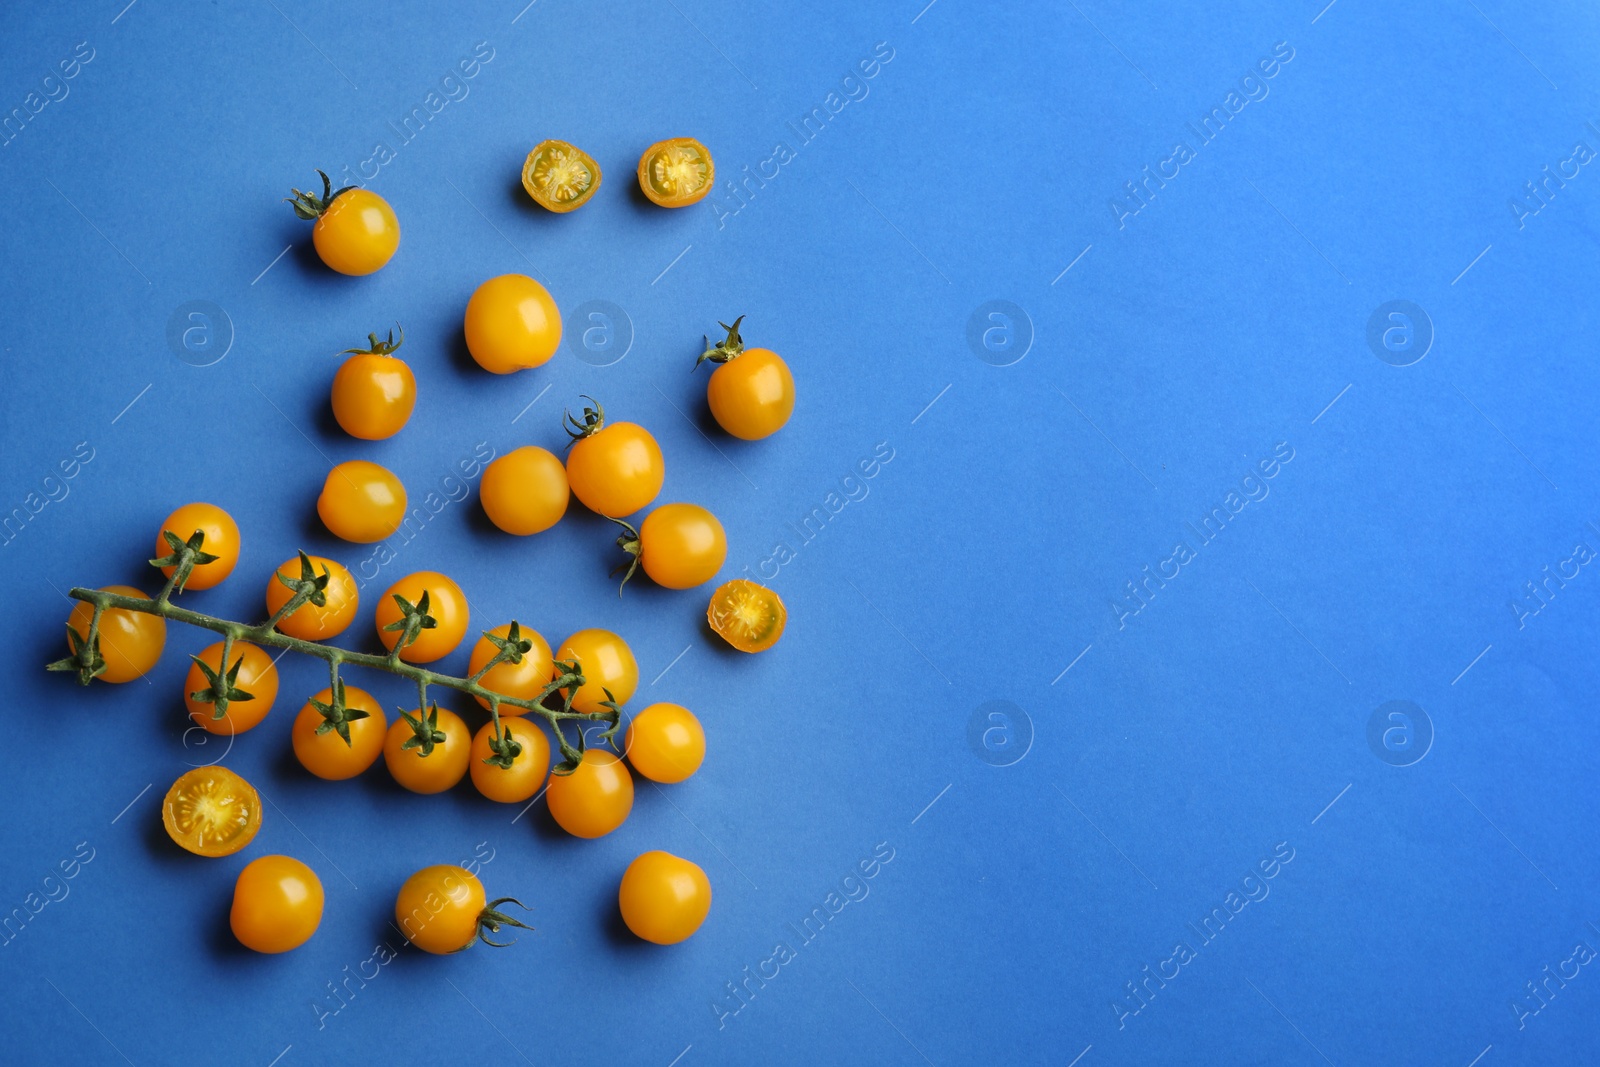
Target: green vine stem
85	658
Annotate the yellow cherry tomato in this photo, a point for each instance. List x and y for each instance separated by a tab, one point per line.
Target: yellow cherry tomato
130	641
310	622
446	603
676	172
211	811
525	491
323	751
559	176
595	798
521	780
374	390
277	904
679	546
419	768
606	663
442	909
221	540
665	743
257	676
664	898
355	232
614	468
362	502
748	616
751	393
512	324
523	680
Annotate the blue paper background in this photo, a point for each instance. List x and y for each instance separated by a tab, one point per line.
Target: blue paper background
1163	755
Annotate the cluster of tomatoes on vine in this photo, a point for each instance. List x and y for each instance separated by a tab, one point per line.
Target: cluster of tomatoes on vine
615	469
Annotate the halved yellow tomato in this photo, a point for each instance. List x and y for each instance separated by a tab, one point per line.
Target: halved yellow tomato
676	172
748	616
560	177
211	811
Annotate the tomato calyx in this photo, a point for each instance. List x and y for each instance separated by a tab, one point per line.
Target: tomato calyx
311	207
183	559
505	747
425	732
491	918
730	347
594	420
508	649
336	714
222	689
309	588
85	656
630	542
376	347
414	619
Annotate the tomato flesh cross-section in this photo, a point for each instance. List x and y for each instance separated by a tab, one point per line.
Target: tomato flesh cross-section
676	172
748	616
211	811
560	177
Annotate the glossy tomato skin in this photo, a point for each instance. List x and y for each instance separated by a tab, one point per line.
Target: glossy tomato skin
560	177
523	680
257	676
676	172
358	233
665	743
277	904
752	395
310	622
617	470
747	615
211	811
326	755
512	323
438	908
130	641
664	898
439	770
595	798
221	540
681	545
362	502
606	662
446	603
521	780
373	395
525	491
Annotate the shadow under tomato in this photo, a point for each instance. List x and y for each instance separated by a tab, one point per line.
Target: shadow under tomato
616	930
460	356
286	767
327	424
717	644
642	204
160	845
478	521
303	254
219	932
526	207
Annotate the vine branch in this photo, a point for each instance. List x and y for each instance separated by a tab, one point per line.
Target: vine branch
86	660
